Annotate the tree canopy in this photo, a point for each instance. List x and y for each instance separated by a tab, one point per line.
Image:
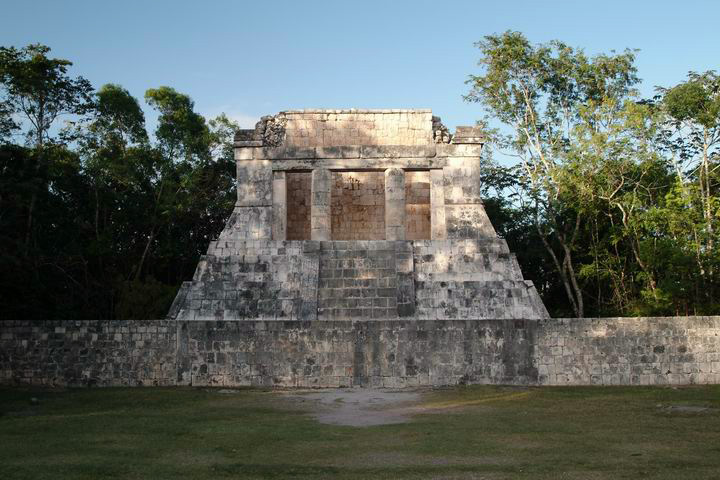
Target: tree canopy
612	205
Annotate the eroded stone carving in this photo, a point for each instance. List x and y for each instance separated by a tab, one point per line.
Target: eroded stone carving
270	130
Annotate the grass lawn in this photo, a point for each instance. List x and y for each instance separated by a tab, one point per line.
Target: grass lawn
471	432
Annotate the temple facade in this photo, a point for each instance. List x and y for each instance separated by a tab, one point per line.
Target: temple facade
358	215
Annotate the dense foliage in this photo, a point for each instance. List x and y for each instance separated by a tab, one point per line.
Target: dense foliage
612	207
97	220
620	192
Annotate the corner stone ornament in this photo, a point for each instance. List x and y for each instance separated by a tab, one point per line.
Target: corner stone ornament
410	240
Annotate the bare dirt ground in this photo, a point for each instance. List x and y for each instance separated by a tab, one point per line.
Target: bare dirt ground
358	407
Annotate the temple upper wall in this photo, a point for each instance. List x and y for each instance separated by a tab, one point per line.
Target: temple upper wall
329	128
349	127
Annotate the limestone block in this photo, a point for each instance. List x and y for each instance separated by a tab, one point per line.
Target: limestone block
394	204
245	153
453	150
437	205
461	180
254	183
279	230
320	206
468	221
248	223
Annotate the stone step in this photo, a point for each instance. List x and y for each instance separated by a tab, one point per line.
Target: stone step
359	279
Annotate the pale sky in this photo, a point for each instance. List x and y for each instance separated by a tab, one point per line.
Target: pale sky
256	58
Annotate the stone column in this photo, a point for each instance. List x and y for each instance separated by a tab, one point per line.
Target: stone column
320	224
465	216
437	206
394	204
279	228
252	216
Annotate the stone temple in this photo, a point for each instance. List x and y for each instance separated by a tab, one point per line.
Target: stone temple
357	215
359	254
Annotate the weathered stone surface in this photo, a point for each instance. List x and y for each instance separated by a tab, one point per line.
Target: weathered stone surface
248	223
358	176
320	214
629	351
394	204
388	353
358	206
254	185
438	228
279	203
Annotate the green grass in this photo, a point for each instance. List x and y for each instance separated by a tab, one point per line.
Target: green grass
472	432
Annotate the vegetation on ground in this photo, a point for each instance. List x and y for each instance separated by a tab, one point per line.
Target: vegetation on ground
469	432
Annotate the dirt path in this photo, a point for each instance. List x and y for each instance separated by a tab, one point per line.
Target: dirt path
359	407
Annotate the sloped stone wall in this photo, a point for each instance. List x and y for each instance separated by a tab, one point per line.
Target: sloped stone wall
388	353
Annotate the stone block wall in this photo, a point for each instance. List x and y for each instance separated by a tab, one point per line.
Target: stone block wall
387	353
417	205
468	279
325	128
88	352
259	279
358	206
391	354
628	351
365	280
471	279
298	205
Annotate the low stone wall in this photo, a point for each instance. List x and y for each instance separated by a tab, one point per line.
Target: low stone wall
388	353
628	351
88	352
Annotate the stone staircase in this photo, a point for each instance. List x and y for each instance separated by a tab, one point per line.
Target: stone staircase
361	280
358	280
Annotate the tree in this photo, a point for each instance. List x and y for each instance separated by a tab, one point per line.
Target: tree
39	89
693	138
7	123
537	91
181	133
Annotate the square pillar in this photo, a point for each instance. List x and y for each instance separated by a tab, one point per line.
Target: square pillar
320	223
279	227
394	204
437	206
251	218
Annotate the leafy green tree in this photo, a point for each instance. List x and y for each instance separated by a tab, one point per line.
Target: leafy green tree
181	133
7	123
39	90
537	91
693	138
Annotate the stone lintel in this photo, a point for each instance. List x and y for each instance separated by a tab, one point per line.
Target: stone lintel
250	152
359	164
471	135
357	110
459	150
397	151
247	143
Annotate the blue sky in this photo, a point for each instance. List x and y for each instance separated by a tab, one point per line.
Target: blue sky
259	57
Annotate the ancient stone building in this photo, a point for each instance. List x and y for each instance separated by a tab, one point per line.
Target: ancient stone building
357	215
363	233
